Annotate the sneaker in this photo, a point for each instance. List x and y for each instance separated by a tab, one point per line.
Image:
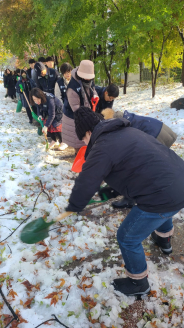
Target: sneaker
123	203
163	242
62	146
132	287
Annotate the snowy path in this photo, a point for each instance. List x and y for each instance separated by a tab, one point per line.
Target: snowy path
31	276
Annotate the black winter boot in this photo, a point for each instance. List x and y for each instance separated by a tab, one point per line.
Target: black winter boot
163	242
123	203
132	287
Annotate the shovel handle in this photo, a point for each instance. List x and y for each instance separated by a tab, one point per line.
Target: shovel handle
63	216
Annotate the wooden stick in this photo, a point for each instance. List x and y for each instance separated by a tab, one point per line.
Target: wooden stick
63	216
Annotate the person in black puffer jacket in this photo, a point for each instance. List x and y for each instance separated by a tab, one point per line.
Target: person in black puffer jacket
137	166
50	108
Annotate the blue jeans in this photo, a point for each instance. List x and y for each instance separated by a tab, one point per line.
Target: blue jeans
136	227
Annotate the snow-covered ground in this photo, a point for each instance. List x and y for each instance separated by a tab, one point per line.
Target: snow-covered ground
31	276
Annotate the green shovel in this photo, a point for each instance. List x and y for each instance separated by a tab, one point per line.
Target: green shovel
37	230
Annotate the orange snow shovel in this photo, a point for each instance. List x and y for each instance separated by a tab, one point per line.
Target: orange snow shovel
37	230
94	101
79	160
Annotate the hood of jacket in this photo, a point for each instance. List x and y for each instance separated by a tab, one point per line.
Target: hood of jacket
106	126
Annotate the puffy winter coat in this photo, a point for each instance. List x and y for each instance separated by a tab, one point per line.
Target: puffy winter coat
27	84
102	104
75	98
47	83
52	110
133	163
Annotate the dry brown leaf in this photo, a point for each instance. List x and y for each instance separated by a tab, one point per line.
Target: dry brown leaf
54	297
88	302
147	253
61	284
12	294
27	304
42	254
74	258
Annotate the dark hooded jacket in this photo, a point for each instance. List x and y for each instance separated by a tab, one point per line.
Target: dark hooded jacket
102	104
47	83
10	84
149	125
133	163
52	111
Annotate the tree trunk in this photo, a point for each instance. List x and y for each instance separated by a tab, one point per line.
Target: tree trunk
108	73
152	75
125	83
182	74
126	75
70	55
140	71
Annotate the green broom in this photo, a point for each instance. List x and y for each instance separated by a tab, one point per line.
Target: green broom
35	117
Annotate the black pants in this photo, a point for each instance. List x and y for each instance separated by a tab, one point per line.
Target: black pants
34	109
55	136
29	114
13	96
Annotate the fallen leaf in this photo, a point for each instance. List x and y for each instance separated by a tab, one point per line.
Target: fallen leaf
27	304
147	254
42	254
61	284
54	298
88	302
74	258
12	294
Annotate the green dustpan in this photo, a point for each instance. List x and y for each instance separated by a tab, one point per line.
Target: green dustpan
35	231
19	107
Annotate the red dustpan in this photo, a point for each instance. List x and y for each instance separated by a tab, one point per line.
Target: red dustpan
79	160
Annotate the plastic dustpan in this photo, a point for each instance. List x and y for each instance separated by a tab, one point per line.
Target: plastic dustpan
79	160
37	230
19	106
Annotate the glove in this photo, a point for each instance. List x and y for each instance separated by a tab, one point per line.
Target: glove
40	117
44	130
21	88
107	193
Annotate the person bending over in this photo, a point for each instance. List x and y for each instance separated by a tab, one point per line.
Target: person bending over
138	166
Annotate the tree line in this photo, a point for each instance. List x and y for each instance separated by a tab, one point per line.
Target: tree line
118	35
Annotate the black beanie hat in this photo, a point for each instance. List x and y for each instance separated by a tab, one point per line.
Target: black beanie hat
32	61
39	67
85	120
